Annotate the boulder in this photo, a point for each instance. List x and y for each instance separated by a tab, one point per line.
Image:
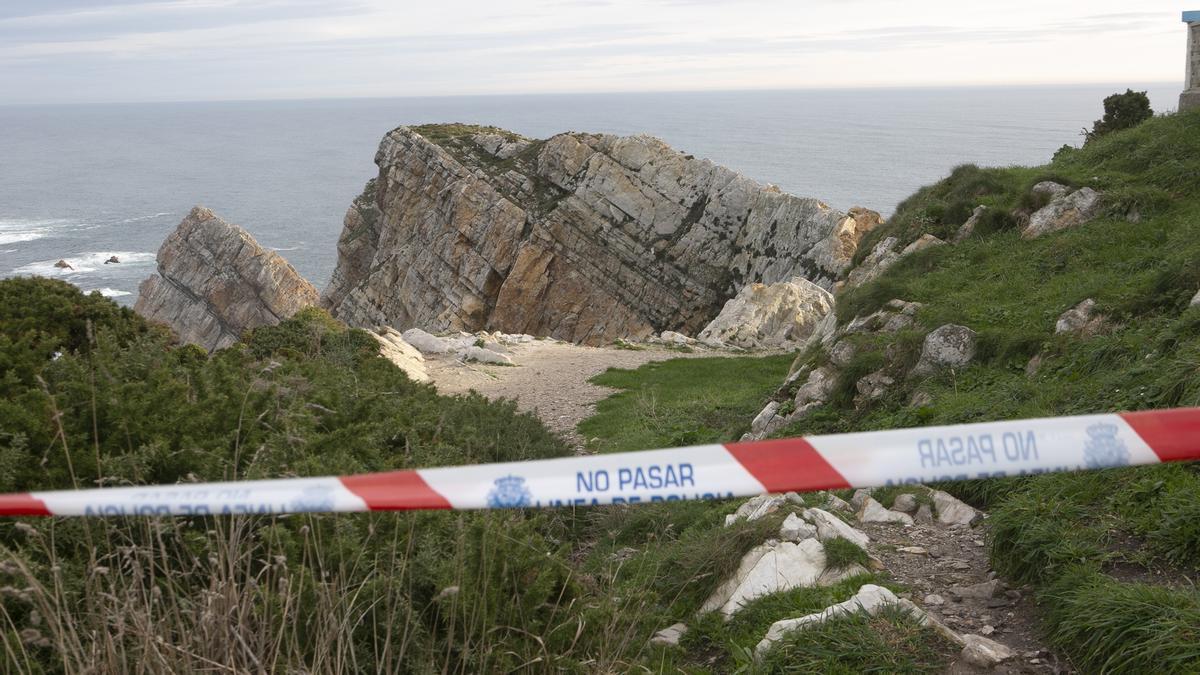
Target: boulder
830	526
795	529
758	427
873	386
983	652
924	515
394	348
946	347
215	282
63	265
894	316
968	228
1195	301
884	255
582	237
905	503
670	337
1050	189
1080	319
669	636
951	511
981	591
482	355
859	498
874	512
836	503
756	507
780	315
426	343
870	600
1064	211
772	567
112	260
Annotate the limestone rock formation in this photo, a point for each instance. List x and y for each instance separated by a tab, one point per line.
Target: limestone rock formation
782	314
1081	319
214	282
946	347
1065	210
583	237
394	348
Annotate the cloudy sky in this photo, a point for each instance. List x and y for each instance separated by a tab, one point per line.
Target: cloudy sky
156	50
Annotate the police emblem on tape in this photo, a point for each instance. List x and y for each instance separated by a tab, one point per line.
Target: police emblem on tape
1103	448
313	499
509	492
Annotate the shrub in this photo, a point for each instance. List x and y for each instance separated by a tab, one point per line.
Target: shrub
1121	111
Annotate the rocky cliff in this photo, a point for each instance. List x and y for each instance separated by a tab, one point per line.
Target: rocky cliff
214	282
582	237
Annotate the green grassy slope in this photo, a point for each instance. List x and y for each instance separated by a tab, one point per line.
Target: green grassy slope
1115	553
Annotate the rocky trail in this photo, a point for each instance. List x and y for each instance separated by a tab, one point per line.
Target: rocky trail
928	542
947	571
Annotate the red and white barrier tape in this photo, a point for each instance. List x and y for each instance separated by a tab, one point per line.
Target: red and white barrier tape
869	459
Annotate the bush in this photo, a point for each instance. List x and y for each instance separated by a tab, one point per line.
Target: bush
1121	111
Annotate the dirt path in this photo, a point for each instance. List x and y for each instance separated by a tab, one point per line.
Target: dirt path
950	580
550	379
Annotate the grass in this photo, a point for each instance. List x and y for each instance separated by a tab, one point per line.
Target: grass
891	642
841	553
681	402
1097	546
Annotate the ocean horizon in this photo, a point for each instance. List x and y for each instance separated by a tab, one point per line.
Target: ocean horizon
87	182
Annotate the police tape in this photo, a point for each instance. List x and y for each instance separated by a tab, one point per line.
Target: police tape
867	459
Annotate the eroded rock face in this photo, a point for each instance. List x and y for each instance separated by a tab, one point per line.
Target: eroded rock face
214	282
581	237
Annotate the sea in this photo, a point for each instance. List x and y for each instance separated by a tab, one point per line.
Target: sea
85	183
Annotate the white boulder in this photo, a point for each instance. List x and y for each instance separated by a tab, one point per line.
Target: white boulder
1064	211
779	315
951	511
394	348
772	567
794	528
482	355
426	343
669	636
830	526
874	512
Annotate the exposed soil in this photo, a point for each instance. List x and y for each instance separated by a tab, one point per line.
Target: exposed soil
550	379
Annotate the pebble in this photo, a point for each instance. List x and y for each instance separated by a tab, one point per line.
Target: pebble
914	550
934	599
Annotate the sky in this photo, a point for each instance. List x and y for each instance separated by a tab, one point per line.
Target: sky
59	51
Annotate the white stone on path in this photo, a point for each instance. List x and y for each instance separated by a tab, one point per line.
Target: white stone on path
394	348
951	511
874	512
984	652
795	529
830	526
772	567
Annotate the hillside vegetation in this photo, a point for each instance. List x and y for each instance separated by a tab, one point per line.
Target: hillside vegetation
93	395
1114	554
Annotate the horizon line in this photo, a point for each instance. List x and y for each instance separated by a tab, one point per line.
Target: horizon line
868	87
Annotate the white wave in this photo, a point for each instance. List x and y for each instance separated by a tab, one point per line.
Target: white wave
285	248
149	217
84	263
13	230
109	292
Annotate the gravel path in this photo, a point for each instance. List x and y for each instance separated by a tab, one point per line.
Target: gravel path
550	379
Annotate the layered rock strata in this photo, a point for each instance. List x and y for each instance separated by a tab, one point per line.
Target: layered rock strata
214	282
582	237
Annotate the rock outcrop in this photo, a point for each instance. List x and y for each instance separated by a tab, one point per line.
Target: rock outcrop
783	314
1066	209
583	237
214	282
